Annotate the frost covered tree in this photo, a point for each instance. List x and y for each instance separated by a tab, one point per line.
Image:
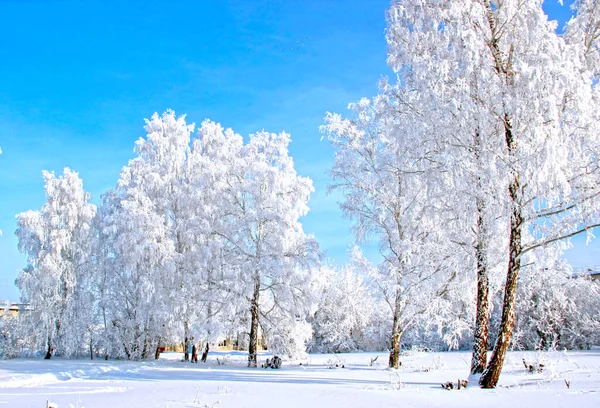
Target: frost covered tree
150	218
56	241
500	69
217	293
394	193
161	173
270	255
106	278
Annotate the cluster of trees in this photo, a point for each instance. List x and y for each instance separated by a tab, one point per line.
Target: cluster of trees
200	237
481	157
557	309
473	167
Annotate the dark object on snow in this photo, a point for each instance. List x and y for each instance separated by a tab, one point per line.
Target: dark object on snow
568	383
533	368
460	384
373	361
275	362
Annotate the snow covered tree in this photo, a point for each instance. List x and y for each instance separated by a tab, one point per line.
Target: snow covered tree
197	232
56	242
149	237
272	257
214	151
501	70
395	193
105	267
161	172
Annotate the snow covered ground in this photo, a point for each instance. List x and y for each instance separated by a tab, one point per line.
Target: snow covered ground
313	382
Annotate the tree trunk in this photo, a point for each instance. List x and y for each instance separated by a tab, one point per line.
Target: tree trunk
186	340
127	351
49	351
56	348
146	346
253	342
158	347
479	360
394	361
91	347
490	377
205	353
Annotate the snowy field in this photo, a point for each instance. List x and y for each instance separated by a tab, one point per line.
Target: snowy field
314	382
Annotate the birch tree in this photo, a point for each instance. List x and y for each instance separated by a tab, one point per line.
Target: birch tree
392	191
271	254
56	240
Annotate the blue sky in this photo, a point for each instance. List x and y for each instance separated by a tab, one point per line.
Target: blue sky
77	79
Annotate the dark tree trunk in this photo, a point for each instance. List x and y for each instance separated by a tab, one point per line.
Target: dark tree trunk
490	376
492	373
186	341
394	361
91	348
146	347
127	351
253	342
56	349
205	353
158	349
479	360
48	355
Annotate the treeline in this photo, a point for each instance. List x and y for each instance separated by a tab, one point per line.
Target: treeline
199	238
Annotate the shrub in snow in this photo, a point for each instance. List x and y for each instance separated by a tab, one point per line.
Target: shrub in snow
287	337
15	338
557	309
343	314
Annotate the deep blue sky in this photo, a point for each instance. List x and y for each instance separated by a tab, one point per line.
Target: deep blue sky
77	78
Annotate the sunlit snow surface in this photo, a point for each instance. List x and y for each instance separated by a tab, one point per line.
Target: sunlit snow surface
170	382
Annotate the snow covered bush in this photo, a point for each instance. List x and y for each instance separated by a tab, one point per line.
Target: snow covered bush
15	337
289	338
345	310
376	334
557	309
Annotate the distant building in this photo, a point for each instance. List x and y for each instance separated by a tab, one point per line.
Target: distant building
12	309
592	271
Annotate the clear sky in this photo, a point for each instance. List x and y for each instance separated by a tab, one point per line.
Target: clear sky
78	78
